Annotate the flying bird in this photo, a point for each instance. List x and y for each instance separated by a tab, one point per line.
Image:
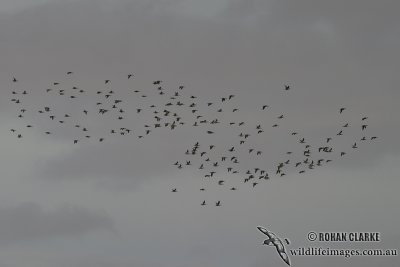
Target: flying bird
275	241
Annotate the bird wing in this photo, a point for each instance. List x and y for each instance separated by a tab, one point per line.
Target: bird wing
284	256
266	232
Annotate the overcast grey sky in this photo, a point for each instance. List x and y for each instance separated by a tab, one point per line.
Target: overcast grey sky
110	204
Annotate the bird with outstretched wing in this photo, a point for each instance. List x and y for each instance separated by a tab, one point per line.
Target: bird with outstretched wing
273	240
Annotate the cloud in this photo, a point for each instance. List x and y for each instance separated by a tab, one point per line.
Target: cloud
300	43
28	221
333	53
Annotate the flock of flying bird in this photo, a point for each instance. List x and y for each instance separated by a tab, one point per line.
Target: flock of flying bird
178	110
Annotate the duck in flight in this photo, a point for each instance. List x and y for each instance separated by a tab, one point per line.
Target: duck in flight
207	163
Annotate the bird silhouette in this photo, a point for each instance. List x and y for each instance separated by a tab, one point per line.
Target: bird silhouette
176	109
